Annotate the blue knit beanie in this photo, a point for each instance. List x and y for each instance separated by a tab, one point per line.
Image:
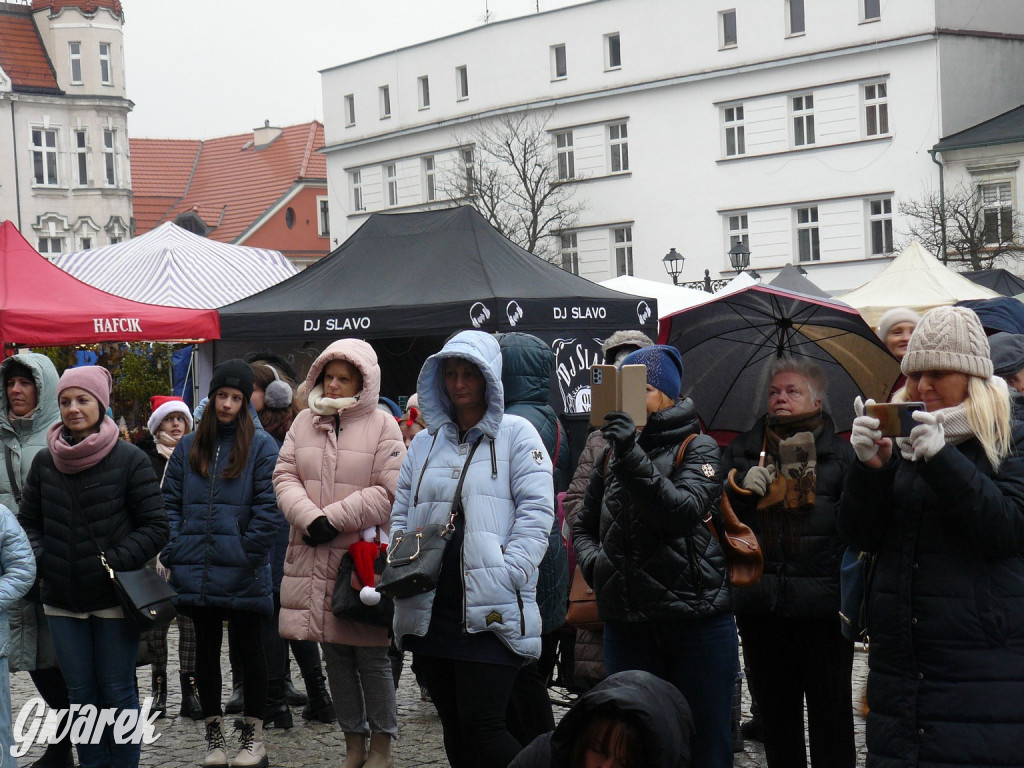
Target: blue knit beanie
664	368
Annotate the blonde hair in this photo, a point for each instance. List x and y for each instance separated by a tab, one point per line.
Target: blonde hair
989	416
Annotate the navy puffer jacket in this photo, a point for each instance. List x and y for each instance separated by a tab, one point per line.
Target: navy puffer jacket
222	528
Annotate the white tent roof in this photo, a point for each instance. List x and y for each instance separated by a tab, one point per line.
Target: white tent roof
173	267
914	279
672	298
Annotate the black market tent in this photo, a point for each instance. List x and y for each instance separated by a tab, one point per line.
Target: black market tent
999	280
406	281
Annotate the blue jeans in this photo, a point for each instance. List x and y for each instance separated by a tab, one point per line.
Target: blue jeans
699	657
97	657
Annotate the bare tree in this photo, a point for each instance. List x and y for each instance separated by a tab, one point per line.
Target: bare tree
508	171
976	235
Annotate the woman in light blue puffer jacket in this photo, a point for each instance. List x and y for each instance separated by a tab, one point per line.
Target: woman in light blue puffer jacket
470	636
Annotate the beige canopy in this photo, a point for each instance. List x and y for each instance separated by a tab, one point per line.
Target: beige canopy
914	279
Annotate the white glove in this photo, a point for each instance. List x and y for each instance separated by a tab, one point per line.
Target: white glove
758	479
929	436
864	432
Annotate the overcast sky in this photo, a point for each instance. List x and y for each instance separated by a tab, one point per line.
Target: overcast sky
204	68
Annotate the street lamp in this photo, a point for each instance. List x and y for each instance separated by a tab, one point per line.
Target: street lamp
673	264
739	256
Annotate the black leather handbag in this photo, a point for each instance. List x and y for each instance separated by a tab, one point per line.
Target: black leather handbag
345	602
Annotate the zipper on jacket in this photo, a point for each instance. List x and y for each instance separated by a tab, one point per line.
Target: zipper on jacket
522	613
209	516
698	577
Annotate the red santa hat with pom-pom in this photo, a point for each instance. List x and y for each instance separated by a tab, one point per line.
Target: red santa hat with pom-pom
364	556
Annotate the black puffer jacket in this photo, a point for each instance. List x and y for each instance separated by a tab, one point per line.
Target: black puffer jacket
120	499
640	538
946	608
804	582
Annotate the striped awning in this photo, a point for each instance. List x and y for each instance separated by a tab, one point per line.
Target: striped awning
173	267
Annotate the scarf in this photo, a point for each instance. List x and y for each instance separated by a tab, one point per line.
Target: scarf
72	458
955	425
328	406
165	443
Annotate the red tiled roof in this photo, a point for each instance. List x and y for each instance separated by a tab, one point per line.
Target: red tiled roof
22	54
86	6
226	181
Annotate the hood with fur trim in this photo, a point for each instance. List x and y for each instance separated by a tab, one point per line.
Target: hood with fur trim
360	354
479	348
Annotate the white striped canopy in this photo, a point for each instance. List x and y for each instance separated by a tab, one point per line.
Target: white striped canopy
173	267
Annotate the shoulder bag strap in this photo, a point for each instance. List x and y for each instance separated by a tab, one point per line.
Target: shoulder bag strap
558	442
457	500
75	508
12	476
708	521
423	469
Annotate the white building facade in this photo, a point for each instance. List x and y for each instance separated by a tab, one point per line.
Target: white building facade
794	126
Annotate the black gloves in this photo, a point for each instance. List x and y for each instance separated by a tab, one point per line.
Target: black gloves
320	531
620	432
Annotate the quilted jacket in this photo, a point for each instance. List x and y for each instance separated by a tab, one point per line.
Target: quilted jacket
509	504
640	538
344	467
17	571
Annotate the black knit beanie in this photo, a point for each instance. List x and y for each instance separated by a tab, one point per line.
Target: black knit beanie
17	368
233	373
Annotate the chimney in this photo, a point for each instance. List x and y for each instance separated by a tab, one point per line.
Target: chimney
264	137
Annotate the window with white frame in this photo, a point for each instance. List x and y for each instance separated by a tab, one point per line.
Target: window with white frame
735	135
469	169
323	217
75	54
872	10
44	156
738	232
795	17
570	252
106	74
565	155
559	69
429	180
808	247
391	182
384	97
880	218
51	245
110	157
350	110
876	109
996	202
618	144
727	29
461	83
612	51
622	239
423	91
803	120
356	180
82	158
84	243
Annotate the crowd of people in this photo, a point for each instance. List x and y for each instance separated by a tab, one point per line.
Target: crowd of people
251	504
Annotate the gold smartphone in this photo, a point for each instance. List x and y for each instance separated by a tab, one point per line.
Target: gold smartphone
618	389
894	419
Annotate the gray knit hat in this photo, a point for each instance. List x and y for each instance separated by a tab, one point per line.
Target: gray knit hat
895	316
949	339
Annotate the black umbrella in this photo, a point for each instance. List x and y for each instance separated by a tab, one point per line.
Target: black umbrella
727	343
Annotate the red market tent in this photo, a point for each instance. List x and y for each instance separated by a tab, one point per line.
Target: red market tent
41	304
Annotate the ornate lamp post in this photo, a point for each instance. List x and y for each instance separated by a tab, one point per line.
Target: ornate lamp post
673	264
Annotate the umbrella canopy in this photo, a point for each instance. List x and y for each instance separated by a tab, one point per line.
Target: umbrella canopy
1002	314
727	343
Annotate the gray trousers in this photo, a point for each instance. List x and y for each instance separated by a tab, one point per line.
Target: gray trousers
362	687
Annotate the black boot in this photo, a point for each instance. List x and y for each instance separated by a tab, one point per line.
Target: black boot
160	694
236	703
293	695
320	706
277	714
190	706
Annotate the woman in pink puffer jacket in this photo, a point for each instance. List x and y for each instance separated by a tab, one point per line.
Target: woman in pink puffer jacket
336	475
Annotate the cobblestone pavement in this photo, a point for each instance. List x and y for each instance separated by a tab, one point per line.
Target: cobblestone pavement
318	745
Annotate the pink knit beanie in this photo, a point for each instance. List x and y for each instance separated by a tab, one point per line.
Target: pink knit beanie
94	379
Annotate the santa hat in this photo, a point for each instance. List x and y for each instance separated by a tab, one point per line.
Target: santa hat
364	555
163	406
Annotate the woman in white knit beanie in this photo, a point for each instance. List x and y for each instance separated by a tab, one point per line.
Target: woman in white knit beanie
944	510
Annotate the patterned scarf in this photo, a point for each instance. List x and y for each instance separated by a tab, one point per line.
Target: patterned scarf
74	457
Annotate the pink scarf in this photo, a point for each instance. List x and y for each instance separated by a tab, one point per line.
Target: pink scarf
71	459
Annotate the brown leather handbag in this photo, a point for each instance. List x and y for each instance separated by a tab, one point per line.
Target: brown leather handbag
582	612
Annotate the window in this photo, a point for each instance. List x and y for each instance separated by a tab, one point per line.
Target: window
469	169
423	88
872	10
115	240
86	243
51	245
880	216
384	96
570	253
807	234
738	233
75	52
558	67
623	238
619	146
565	155
391	181
997	211
81	158
794	17
803	120
461	83
612	51
350	110
735	140
429	180
44	156
109	157
105	64
289	217
356	177
727	29
876	109
323	217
